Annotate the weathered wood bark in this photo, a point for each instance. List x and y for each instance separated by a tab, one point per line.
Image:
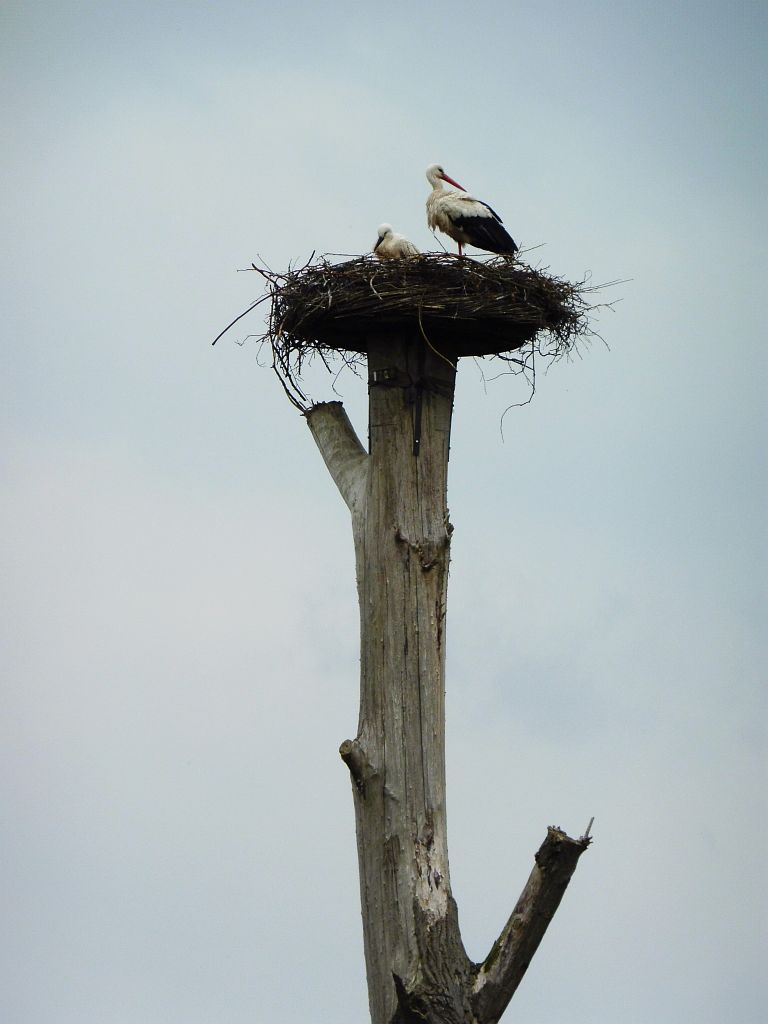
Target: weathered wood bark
416	964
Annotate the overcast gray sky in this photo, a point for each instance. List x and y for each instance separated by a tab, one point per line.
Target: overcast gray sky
179	612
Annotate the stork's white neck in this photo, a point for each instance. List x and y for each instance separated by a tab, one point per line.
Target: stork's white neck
434	179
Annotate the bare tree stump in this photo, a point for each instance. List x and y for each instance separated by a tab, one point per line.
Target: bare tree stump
416	964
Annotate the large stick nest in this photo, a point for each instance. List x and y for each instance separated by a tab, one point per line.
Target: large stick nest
457	306
462	305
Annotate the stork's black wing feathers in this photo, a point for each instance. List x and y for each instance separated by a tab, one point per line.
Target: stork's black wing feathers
490	209
487	233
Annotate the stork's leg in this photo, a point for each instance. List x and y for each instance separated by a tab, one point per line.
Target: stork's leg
460	252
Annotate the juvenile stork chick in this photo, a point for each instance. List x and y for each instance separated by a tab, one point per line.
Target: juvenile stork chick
391	246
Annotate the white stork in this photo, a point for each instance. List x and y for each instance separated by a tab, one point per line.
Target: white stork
466	220
391	246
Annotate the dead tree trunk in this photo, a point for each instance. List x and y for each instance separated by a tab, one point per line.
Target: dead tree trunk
417	967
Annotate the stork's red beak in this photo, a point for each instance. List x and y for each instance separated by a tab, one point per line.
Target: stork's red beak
452	182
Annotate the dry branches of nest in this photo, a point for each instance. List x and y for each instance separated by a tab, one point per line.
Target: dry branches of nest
494	306
458	306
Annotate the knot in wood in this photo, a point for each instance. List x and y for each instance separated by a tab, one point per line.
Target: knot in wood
428	552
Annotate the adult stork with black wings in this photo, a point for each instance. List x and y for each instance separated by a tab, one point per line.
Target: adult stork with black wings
468	221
